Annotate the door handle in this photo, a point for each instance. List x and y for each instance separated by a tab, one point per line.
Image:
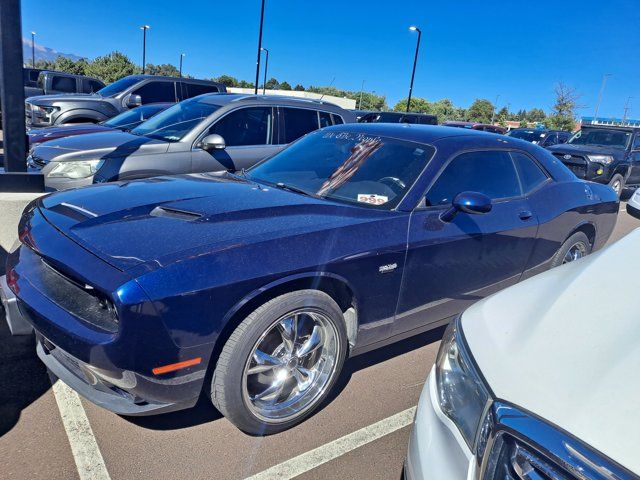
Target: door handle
525	215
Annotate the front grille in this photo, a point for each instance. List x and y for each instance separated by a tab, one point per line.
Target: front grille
576	163
575	159
79	299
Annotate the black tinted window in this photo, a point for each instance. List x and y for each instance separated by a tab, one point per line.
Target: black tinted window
190	90
247	126
491	173
90	86
154	92
636	143
63	84
530	173
297	122
325	119
337	119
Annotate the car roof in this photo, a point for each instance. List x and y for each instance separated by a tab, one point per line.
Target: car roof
173	79
611	127
223	99
412	132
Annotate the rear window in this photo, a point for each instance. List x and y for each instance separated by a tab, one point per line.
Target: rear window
298	122
190	90
63	84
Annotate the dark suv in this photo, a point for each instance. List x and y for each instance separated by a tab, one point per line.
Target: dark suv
399	117
604	154
128	92
540	136
203	134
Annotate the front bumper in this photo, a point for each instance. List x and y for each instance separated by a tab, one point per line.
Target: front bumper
436	448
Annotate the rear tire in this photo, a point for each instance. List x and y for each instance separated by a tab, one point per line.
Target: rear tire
617	183
280	363
573	248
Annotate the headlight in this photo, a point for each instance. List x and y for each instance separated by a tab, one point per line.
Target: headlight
603	159
461	393
81	169
42	109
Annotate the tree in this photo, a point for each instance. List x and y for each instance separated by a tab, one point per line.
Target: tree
536	115
227	81
272	84
298	88
165	70
111	67
245	84
418	105
480	111
285	86
370	101
524	123
563	111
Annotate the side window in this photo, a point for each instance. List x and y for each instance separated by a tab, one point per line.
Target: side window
531	176
193	90
325	119
552	139
636	143
246	126
90	86
489	172
63	84
297	122
154	92
337	119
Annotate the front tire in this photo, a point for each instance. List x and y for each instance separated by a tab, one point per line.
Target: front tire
280	363
573	248
617	183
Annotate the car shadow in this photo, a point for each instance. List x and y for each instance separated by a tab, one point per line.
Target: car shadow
205	412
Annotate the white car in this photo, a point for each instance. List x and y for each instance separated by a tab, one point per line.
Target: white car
633	205
540	381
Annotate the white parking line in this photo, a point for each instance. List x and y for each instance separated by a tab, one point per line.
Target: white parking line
84	447
329	451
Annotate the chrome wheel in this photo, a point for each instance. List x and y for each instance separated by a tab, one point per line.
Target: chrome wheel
617	187
291	365
577	250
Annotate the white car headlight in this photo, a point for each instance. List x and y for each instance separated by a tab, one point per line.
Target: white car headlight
462	395
79	169
603	159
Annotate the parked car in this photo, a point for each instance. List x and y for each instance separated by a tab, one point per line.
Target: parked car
398	117
208	133
125	121
128	92
361	113
540	136
354	237
485	127
633	205
609	155
539	381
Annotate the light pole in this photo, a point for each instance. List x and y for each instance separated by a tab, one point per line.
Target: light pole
144	29
626	110
33	49
604	84
182	55
361	90
266	66
495	105
413	28
259	49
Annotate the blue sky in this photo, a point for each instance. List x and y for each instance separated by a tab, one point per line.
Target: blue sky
470	49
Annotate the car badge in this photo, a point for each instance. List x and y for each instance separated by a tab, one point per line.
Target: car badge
567	157
388	268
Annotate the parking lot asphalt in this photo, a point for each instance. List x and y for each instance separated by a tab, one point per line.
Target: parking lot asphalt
361	432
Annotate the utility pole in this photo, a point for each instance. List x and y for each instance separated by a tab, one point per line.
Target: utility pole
626	110
495	105
144	29
33	49
181	57
361	90
604	84
266	67
413	28
255	91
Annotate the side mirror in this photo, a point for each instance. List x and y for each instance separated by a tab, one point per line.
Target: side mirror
473	203
213	142
134	101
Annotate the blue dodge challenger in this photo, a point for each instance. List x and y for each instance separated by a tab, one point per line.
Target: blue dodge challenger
253	288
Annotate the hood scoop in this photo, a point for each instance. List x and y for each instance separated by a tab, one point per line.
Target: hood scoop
73	212
166	212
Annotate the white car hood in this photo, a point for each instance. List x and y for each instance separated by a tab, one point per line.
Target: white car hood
565	345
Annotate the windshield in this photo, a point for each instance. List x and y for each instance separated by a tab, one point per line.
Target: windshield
601	137
116	87
348	167
528	135
175	122
132	118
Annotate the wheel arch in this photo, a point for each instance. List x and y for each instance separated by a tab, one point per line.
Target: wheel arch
333	285
81	114
588	228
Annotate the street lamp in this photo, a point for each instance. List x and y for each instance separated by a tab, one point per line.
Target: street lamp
144	29
259	49
413	28
604	84
495	105
266	66
33	49
182	55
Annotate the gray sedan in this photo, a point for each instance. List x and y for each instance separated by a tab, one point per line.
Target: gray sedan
211	132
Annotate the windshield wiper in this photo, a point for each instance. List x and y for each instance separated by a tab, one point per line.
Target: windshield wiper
293	188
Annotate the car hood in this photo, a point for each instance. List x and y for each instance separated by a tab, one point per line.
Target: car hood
51	133
104	145
565	345
161	220
568	148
